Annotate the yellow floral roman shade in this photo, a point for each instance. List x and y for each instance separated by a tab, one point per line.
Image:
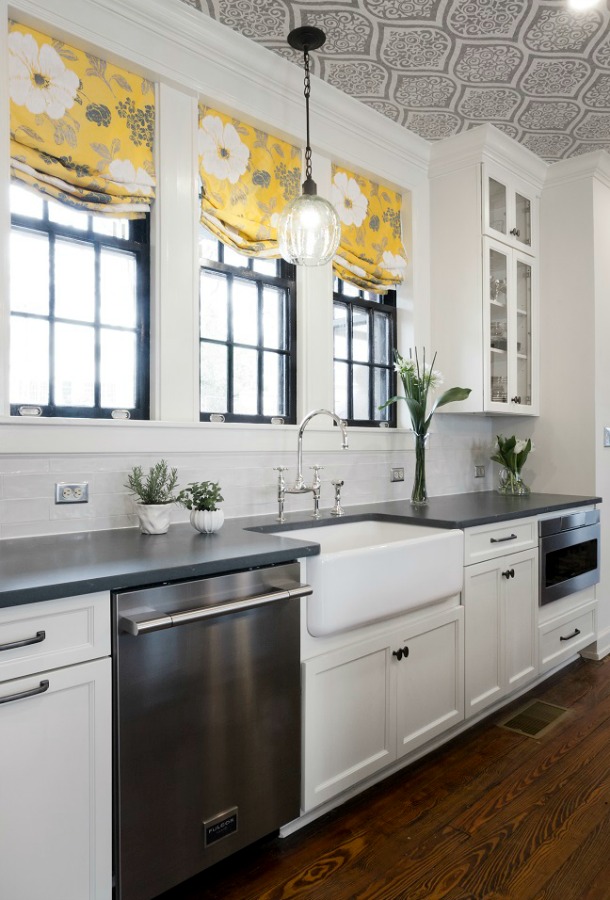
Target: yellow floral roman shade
81	128
247	178
371	254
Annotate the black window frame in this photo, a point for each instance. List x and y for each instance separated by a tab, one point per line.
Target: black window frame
387	304
286	280
138	243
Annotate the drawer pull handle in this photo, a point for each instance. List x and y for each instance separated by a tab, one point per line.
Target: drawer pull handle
570	636
40	636
44	686
509	537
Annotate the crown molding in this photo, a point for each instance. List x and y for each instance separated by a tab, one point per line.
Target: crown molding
168	40
589	165
486	143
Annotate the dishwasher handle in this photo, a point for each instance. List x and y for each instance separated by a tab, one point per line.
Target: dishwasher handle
149	619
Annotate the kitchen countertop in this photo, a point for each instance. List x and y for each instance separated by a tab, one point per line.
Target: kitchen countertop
64	565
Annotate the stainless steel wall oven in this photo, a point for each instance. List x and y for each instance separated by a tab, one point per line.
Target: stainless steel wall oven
569	554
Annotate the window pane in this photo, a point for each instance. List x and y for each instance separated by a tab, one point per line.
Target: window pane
213	378
74	365
274	381
381	393
118	289
350	290
266	266
65	215
382	352
214	306
341	377
360	387
245	312
274	331
29	259
25	202
340	331
360	335
118	228
208	245
118	368
74	281
245	381
233	258
29	361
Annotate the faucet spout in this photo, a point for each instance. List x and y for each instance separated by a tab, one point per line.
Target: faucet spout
299	484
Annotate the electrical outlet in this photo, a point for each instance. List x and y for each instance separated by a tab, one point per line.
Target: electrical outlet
397	475
72	493
479	471
606	436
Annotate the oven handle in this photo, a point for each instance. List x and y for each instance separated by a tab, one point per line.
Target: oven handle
152	620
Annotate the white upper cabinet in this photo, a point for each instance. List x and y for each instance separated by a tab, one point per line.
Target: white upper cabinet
510	209
484	269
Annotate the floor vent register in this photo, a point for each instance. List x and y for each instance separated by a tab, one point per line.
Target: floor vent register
534	719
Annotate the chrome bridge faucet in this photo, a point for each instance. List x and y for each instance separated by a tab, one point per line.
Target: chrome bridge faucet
299	486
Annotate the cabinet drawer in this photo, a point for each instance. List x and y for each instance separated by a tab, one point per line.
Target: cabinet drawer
489	541
561	637
54	633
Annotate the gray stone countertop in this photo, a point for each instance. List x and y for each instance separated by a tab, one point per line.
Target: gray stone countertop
43	568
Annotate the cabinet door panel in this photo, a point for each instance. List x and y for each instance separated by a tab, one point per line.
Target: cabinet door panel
520	619
483	658
429	692
55	786
348	731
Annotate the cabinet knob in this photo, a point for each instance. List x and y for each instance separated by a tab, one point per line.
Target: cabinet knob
510	573
402	651
515	399
515	232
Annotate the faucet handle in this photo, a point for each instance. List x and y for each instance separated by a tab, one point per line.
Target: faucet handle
337	509
316	475
280	468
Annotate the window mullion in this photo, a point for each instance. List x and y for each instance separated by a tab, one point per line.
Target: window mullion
230	345
97	330
51	320
259	352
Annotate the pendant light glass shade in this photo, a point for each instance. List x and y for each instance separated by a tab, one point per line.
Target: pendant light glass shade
308	229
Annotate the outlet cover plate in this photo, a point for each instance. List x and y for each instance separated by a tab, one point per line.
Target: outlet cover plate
397	474
72	492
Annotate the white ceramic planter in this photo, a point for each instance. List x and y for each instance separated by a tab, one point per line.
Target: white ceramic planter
207	521
154	518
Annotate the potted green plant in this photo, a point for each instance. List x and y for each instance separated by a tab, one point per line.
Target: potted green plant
154	494
202	498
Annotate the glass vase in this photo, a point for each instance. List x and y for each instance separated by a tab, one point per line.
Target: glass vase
511	484
419	496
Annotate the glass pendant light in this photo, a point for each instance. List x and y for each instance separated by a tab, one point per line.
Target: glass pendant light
309	228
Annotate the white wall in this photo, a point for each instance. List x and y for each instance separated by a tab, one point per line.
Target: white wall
190	55
569	455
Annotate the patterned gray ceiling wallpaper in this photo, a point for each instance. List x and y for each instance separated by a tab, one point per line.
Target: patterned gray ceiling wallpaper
538	71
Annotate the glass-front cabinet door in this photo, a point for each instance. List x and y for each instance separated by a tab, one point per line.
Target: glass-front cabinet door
509	327
509	209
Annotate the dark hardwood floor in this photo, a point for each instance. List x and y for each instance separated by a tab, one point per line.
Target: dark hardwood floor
493	815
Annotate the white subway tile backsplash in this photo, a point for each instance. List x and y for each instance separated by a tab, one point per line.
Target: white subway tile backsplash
247	479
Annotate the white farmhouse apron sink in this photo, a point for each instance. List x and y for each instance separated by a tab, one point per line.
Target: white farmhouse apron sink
370	570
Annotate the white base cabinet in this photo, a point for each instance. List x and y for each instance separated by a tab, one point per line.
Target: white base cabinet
500	602
372	702
55	752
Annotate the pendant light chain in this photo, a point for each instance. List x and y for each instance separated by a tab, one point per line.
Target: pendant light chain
307	93
308	228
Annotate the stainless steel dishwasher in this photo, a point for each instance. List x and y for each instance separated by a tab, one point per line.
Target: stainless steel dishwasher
207	722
